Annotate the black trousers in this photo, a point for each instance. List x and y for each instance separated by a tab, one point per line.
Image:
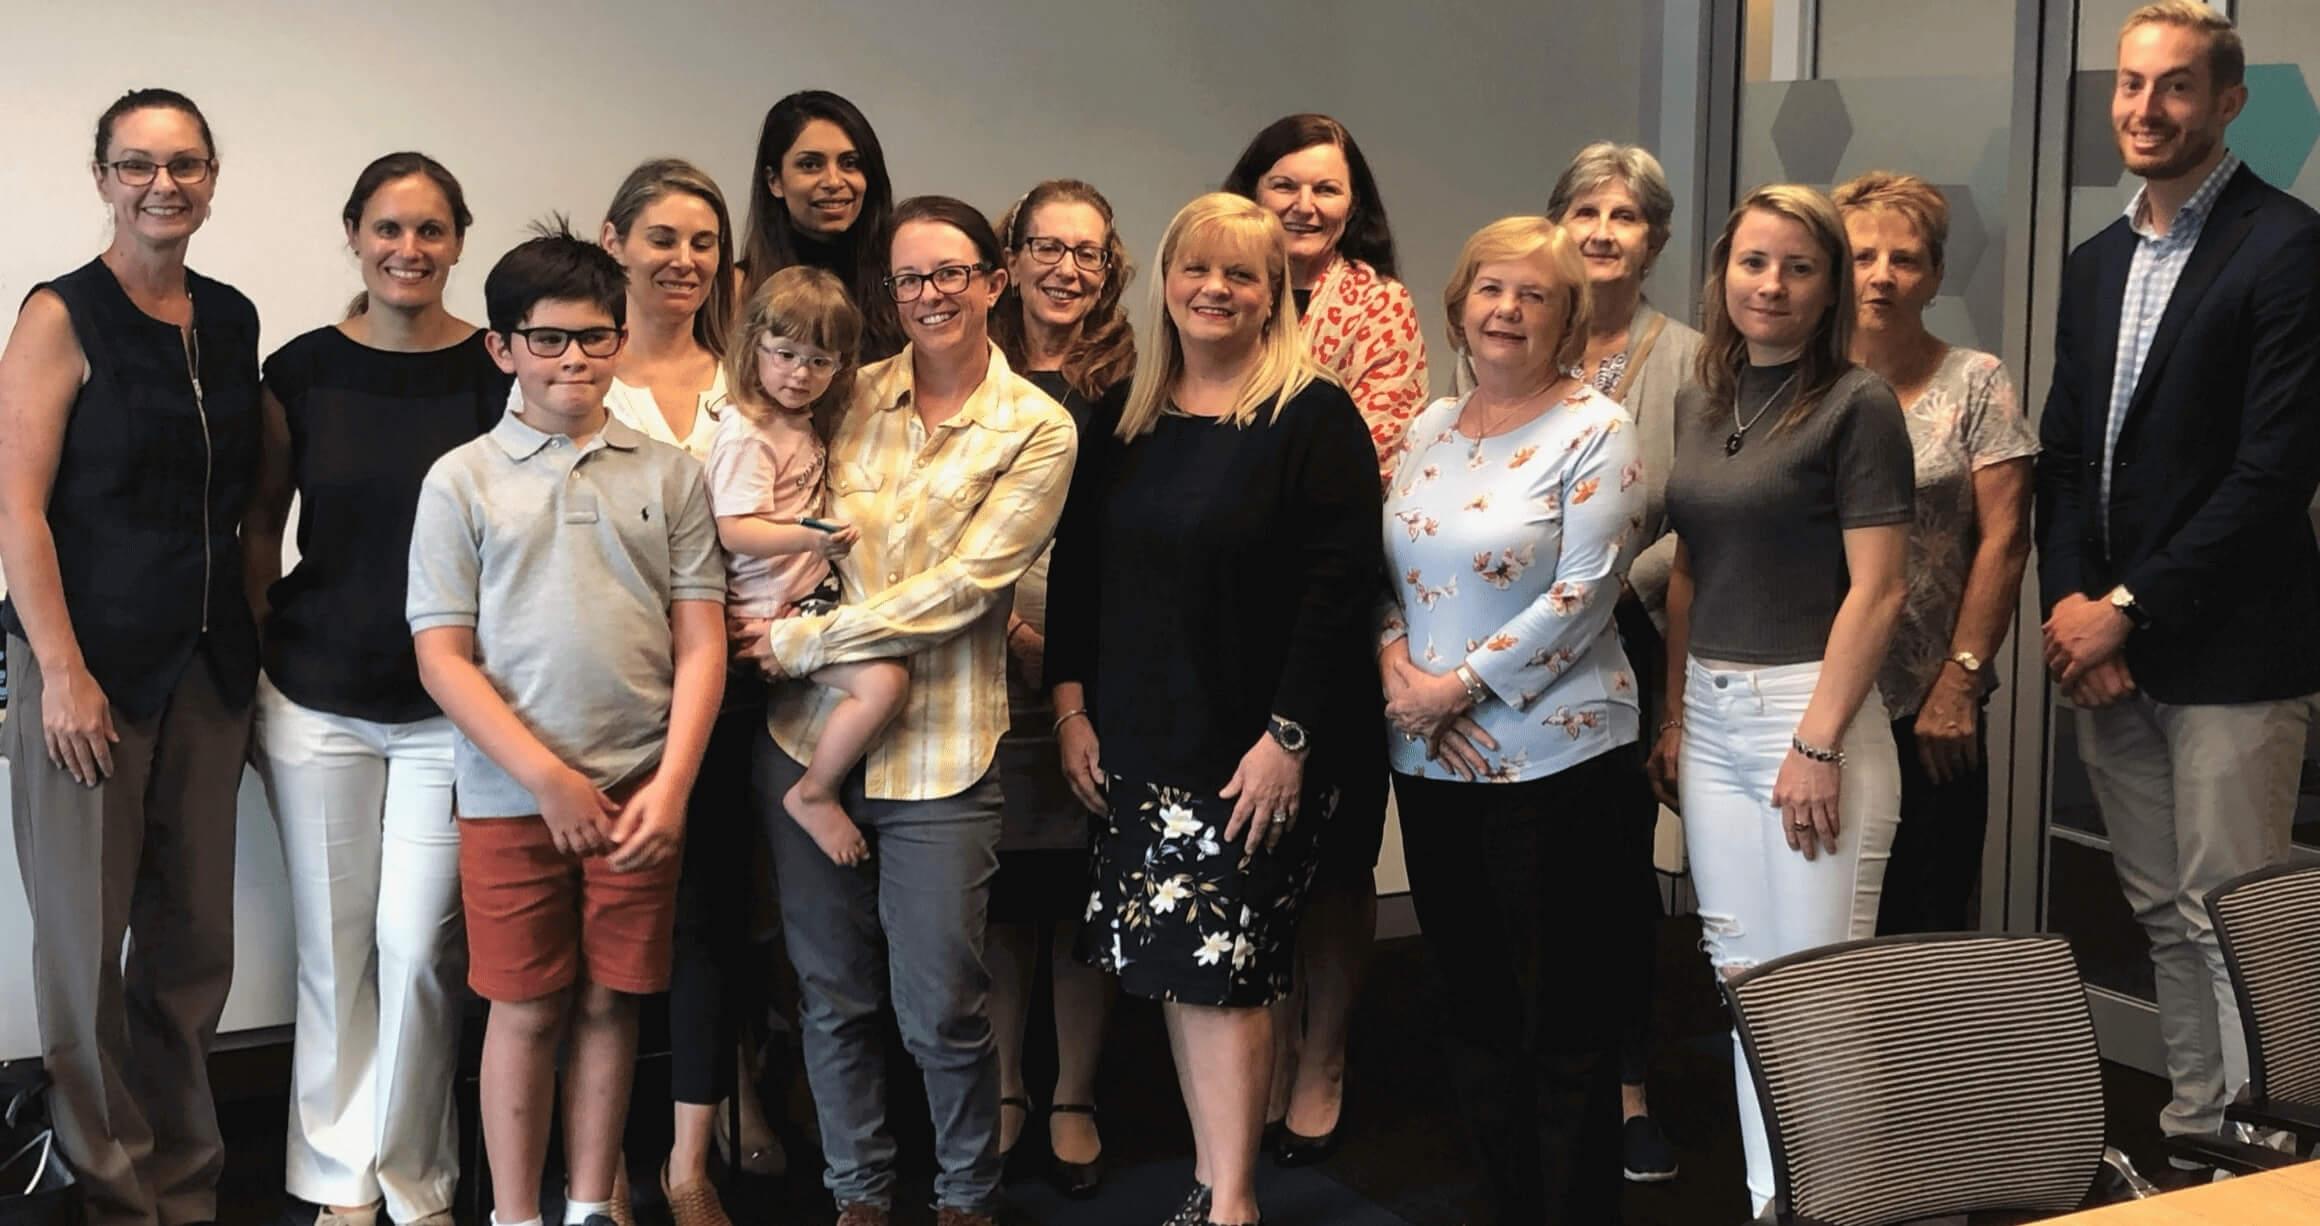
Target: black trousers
1937	852
1512	883
1638	924
710	976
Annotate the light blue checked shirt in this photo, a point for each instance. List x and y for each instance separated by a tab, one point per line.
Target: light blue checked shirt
2151	278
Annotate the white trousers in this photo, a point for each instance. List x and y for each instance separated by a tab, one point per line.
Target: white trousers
367	833
1758	899
2193	796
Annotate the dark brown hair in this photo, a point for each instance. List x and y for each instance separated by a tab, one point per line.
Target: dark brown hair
149	99
1368	237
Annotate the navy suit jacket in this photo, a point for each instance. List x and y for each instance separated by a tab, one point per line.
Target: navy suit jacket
2216	463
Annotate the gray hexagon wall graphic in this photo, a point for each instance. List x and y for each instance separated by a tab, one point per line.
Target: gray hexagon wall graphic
1811	130
2274	136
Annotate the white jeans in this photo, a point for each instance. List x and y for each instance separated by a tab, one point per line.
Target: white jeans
1758	899
367	833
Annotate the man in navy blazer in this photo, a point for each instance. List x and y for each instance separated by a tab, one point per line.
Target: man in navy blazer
2181	450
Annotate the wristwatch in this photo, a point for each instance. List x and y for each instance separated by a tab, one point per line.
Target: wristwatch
1288	733
2124	601
1969	662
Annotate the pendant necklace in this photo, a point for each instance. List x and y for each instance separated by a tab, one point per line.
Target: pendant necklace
1739	437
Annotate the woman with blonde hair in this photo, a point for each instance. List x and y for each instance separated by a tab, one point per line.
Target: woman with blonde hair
1791	500
1061	324
1507	516
1212	577
668	226
1967	547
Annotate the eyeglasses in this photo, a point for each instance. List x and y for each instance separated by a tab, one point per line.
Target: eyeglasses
790	359
1088	256
948	279
138	172
552	342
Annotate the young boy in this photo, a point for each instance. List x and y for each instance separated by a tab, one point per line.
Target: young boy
566	601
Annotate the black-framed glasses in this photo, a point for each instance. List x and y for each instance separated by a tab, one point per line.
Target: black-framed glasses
788	358
948	279
1091	257
184	168
552	342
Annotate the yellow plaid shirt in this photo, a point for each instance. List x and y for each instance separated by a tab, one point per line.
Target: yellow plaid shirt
949	522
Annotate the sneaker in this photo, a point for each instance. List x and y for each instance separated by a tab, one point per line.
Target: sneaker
1646	1157
324	1215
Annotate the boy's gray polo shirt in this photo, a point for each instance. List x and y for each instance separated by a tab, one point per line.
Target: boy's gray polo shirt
564	560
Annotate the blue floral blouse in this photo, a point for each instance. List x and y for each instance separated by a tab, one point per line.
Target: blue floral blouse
1503	554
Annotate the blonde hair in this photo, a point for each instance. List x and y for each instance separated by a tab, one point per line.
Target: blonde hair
798	303
1542	243
2226	55
1827	353
1914	200
1221	222
661	177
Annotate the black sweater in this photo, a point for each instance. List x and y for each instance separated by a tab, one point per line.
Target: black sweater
1208	576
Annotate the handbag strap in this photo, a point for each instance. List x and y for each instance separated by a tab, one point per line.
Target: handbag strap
1635	356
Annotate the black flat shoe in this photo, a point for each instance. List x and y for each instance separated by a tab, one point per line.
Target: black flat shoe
1076	1180
1015	1162
1294	1148
1270	1139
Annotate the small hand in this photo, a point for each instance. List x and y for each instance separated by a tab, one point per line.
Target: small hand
1805	792
578	814
1082	763
76	723
835	545
2102	685
649	829
1946	723
1661	765
2082	633
1265	790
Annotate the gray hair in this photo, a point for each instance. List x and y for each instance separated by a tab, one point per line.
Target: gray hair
1631	165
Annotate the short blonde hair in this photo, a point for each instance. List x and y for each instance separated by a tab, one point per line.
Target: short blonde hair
2226	55
1631	166
1914	200
1541	242
1221	223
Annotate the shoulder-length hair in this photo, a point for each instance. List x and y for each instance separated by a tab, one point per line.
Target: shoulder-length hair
1631	166
1105	350
1540	241
713	323
1368	236
1827	353
1223	226
799	303
772	235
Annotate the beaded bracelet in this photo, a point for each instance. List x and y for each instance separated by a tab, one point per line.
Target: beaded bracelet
1834	757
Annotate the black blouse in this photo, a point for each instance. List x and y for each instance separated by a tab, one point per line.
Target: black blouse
1208	576
156	470
365	426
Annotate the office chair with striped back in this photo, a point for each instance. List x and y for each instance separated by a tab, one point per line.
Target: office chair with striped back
2268	923
1927	1076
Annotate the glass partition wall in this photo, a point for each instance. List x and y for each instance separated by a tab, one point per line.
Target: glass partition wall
2005	104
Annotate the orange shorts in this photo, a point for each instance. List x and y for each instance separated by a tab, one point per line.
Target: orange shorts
534	914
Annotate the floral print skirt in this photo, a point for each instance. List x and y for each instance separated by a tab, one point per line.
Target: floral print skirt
1181	915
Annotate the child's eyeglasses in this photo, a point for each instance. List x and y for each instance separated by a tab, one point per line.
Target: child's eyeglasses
552	342
790	359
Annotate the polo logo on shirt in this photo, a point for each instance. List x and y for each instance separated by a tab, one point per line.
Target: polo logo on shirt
645	513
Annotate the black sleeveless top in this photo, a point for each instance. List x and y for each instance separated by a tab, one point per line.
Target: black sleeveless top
155	473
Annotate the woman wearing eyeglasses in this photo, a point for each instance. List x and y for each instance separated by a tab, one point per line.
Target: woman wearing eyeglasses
128	447
355	757
1060	325
953	469
821	196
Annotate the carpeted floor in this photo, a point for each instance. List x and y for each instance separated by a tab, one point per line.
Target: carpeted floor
1403	1161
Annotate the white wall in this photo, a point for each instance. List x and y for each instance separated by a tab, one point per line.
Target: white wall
1466	109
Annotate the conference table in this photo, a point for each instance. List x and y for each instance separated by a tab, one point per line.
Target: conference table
2289	1197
